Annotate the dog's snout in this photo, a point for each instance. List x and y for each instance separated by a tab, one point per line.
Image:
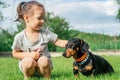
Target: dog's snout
64	54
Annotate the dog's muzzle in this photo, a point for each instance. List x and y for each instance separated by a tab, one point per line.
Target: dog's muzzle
64	54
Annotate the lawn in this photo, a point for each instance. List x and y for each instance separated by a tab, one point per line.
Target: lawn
62	70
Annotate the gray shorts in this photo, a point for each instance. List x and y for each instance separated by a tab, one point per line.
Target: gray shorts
20	64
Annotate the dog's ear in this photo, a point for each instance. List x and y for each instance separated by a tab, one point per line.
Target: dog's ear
84	46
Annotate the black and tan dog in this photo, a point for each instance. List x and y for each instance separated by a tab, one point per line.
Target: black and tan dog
85	62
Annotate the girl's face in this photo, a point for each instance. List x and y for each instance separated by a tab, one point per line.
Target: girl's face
36	20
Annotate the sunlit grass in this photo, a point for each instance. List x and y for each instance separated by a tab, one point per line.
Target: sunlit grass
62	70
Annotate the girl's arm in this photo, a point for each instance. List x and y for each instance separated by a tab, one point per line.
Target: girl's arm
21	55
61	43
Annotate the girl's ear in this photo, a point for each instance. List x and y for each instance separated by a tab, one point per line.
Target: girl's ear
25	17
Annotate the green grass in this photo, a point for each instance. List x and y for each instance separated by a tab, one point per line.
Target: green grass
62	70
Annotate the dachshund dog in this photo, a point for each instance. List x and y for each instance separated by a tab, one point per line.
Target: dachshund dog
84	61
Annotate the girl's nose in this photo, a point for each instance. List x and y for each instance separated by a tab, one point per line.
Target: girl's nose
42	21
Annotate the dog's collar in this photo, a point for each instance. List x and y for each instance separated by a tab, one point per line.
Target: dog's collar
83	59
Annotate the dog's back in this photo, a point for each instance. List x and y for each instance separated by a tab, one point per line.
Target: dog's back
100	65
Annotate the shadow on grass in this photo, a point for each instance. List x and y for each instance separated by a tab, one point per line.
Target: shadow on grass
54	76
61	75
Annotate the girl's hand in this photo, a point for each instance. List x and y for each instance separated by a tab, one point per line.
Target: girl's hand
35	54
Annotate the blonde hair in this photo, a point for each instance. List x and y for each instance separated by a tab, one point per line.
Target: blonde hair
25	7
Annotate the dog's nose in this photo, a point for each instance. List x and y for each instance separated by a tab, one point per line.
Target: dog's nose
64	54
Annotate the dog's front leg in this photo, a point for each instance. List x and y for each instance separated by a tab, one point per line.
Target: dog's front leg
76	73
75	70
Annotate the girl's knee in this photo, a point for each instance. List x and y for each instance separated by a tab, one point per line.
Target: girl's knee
43	62
28	62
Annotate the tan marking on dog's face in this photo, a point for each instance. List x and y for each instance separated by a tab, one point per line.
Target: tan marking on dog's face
70	52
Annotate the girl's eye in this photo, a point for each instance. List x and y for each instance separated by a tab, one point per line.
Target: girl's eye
40	18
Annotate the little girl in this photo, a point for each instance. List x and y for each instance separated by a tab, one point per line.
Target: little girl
30	46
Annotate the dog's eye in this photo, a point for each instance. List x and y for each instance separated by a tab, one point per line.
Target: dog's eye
70	45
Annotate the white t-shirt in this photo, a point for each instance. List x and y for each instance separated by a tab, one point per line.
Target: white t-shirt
21	42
